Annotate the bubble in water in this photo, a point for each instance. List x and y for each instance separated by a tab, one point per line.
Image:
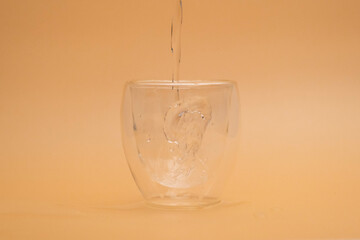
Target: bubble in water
186	121
184	126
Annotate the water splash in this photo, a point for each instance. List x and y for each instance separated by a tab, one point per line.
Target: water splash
184	126
181	164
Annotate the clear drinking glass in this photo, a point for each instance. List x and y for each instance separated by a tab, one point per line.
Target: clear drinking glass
179	139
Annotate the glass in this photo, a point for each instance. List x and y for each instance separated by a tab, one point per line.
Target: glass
179	139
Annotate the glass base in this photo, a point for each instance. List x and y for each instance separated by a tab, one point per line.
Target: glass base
182	203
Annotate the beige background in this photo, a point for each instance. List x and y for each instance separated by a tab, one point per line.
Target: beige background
63	65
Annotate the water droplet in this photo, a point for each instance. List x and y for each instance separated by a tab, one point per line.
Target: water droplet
175	142
140	157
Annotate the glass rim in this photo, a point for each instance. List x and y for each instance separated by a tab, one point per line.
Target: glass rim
179	84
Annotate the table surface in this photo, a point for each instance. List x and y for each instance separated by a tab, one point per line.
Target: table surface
315	216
